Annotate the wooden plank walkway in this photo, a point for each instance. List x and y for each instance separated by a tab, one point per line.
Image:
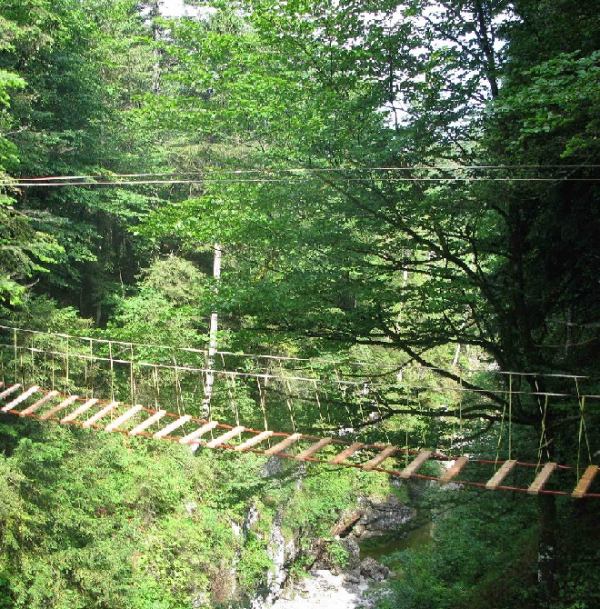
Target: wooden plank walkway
136	420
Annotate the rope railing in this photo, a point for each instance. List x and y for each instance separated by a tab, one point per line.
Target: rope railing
358	400
154	347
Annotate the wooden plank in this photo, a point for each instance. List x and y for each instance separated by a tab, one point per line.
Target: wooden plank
414	465
261	437
584	483
541	478
47	398
20	399
225	437
198	433
59	407
123	418
172	427
380	458
100	415
10	390
348	452
281	446
85	406
157	416
454	470
311	450
497	478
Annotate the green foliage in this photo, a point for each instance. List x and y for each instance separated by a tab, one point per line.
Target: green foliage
325	494
325	256
172	297
23	251
254	562
469	562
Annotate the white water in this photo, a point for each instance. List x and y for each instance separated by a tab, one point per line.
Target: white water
324	590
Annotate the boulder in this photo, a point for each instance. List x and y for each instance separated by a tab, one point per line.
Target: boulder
381	517
371	569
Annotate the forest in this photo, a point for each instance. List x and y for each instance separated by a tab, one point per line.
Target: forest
403	198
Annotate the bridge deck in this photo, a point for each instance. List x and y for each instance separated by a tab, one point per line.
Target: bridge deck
136	420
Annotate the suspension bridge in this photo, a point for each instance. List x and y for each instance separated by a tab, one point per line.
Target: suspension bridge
310	410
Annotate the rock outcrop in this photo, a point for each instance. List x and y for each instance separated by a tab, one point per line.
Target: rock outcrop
375	518
373	570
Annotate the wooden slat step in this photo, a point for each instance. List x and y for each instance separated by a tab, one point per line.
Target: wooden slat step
157	416
59	407
584	483
198	433
497	478
123	418
261	437
165	431
453	471
414	465
311	450
281	446
541	478
386	453
83	408
225	437
348	452
30	409
100	415
20	399
10	390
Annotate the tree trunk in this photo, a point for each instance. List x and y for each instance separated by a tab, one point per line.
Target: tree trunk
212	345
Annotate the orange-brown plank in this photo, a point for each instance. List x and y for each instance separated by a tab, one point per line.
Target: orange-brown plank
386	453
198	433
454	470
497	478
541	479
100	414
283	445
414	465
123	418
236	431
585	482
165	431
311	450
47	398
83	408
157	416
261	437
348	452
8	391
59	407
20	399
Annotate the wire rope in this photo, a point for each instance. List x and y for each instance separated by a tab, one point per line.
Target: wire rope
340	382
312	170
291	181
389	367
582	428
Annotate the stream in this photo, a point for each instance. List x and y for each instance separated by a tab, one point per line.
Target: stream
417	539
324	590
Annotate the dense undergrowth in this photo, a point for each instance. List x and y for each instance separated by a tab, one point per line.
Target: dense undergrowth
89	520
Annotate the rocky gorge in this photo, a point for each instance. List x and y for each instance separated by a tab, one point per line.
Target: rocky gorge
337	577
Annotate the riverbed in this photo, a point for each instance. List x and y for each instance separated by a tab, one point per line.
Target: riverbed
324	590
